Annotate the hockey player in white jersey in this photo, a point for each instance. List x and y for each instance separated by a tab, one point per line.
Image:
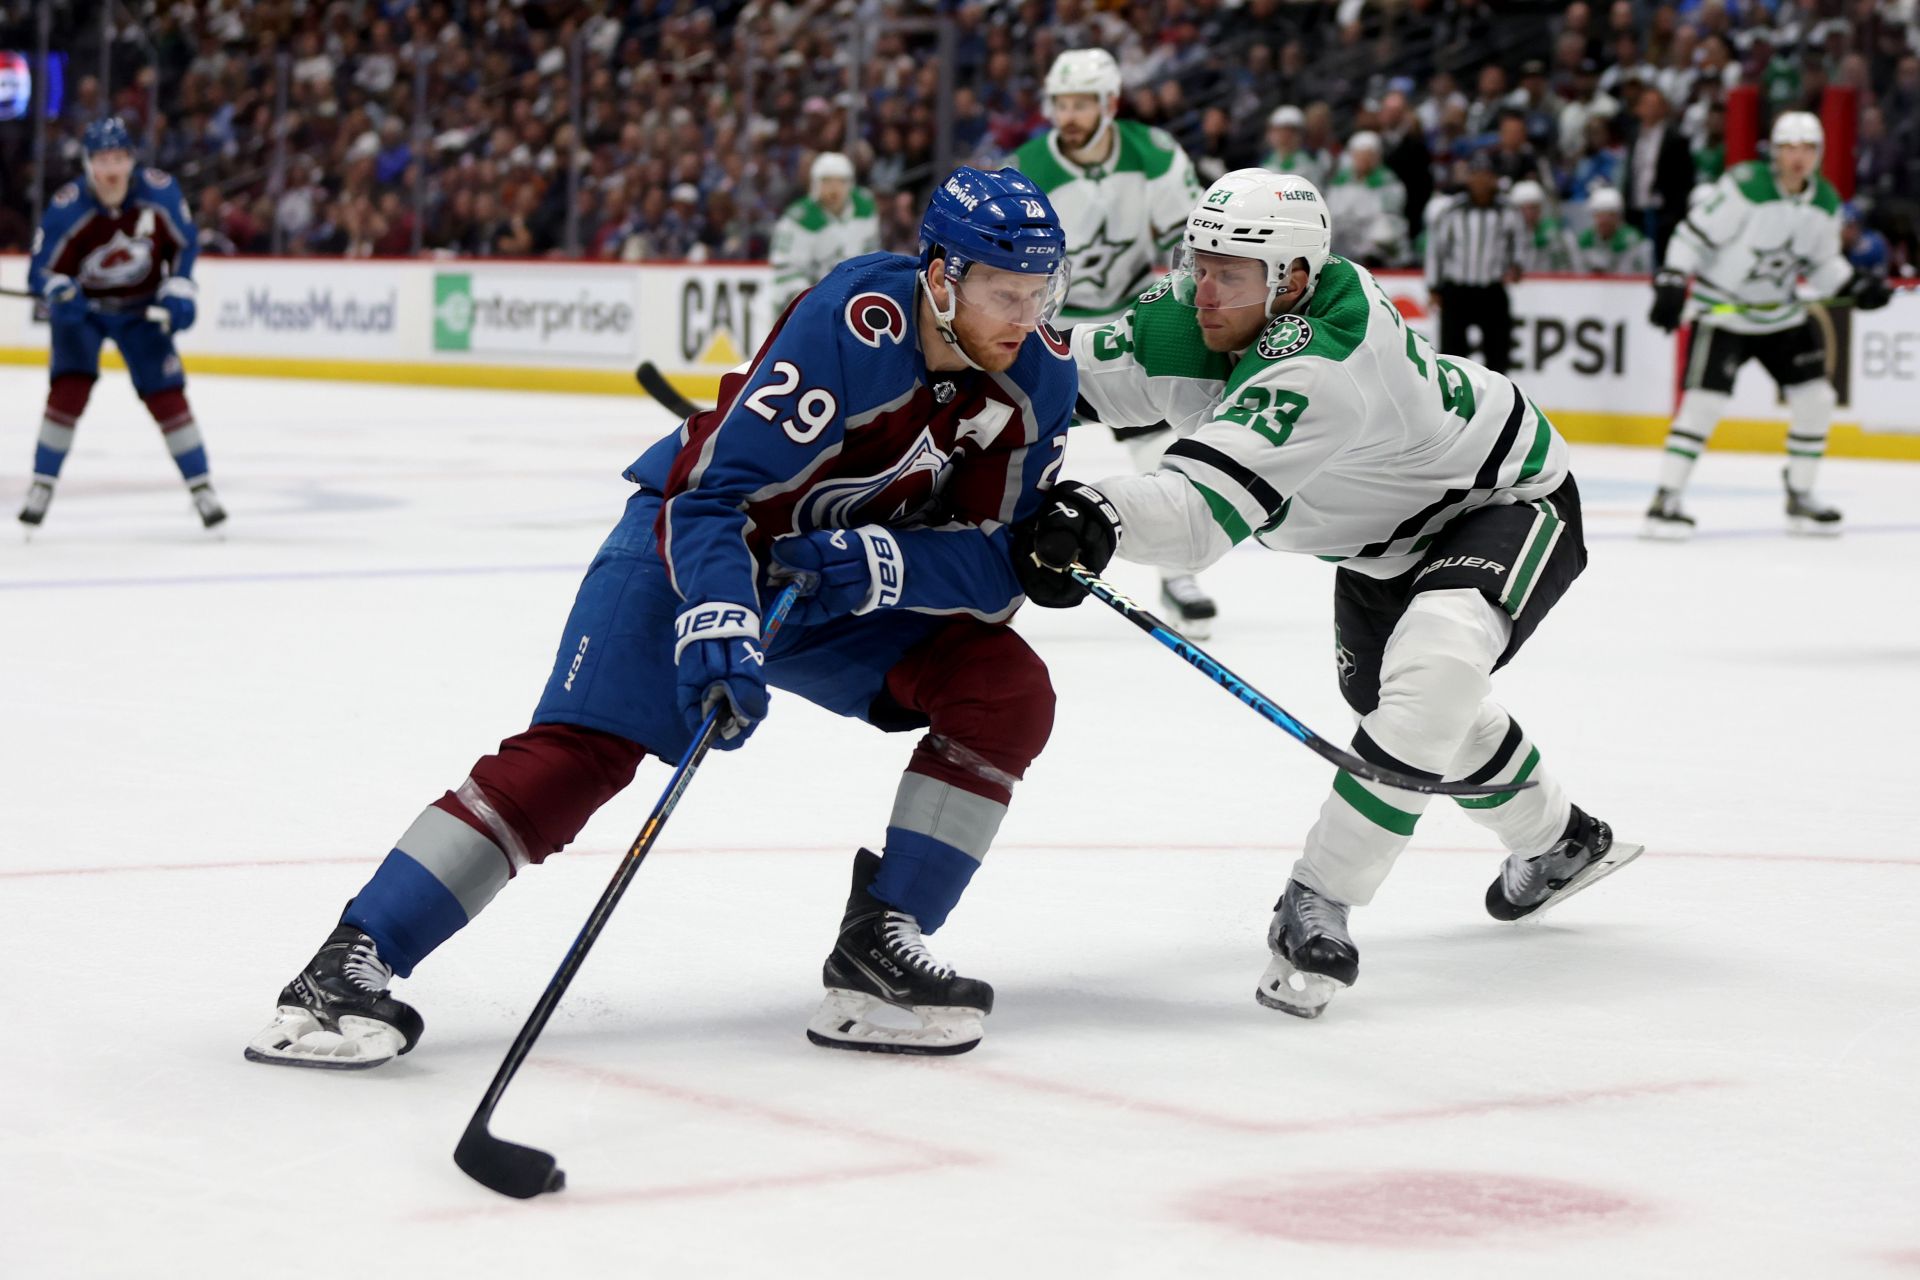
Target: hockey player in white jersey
1744	245
1313	419
833	222
1123	191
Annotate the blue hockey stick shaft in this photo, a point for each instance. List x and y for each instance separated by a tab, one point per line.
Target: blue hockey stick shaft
1211	667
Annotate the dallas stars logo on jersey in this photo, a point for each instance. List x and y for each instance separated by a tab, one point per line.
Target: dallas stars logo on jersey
1286	336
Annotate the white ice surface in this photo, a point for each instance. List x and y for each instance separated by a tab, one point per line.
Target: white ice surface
1707	1066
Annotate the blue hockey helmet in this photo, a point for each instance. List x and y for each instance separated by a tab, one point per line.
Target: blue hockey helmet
999	219
109	133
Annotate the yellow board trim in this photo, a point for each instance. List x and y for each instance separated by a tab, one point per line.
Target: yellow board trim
1739	435
699	386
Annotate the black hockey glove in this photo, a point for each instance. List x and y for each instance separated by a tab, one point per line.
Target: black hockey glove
1669	300
1076	525
1869	290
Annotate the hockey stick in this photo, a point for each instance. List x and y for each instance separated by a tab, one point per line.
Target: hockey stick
525	1172
655	384
1208	665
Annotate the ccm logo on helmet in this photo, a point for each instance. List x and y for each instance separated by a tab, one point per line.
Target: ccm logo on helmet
873	316
1209	224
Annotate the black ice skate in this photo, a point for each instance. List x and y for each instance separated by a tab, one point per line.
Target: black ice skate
1806	514
1313	955
1585	852
1192	609
207	504
885	992
39	498
336	1013
1666	522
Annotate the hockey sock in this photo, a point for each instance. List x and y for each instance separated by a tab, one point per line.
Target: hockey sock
935	840
180	431
66	401
1699	413
1433	678
1809	416
1498	750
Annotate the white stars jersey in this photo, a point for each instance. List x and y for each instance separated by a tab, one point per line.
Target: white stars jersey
1746	243
1341	434
1122	218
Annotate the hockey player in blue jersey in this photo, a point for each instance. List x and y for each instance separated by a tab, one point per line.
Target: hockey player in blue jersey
897	421
110	250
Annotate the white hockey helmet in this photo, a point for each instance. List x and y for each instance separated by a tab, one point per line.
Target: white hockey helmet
1084	71
828	164
1801	127
1527	192
1274	218
1605	200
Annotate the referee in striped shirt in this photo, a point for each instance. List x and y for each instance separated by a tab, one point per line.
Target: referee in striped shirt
1474	251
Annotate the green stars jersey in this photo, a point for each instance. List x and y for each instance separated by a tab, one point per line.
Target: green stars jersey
1746	242
1624	253
1341	433
808	242
1122	218
1547	248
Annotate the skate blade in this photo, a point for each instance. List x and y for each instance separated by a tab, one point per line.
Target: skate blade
1665	531
1801	526
296	1038
1304	995
858	1021
1594	872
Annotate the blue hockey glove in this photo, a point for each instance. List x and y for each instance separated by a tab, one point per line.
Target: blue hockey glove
841	571
177	296
65	303
719	660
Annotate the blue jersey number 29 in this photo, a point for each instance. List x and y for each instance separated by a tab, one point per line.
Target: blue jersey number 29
815	408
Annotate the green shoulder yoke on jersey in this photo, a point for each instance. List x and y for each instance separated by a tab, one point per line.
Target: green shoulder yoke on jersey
1140	149
807	211
1334	326
1757	184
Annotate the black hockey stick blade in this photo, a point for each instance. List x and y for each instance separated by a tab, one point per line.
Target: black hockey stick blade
1208	665
506	1167
655	384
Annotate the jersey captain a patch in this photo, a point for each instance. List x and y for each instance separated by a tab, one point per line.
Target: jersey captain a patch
1286	336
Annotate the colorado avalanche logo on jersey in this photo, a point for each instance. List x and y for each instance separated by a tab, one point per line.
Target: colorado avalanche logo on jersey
874	316
893	497
119	262
1056	343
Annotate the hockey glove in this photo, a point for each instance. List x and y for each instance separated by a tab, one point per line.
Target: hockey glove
1869	290
1669	300
65	303
177	296
719	661
841	571
1077	524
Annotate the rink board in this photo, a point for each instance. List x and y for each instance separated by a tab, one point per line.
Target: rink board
1582	347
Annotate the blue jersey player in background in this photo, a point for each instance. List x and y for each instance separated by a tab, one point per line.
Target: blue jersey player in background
113	258
898	420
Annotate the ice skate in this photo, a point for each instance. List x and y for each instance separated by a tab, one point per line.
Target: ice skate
1666	522
885	991
1313	955
1806	514
1192	609
39	498
1585	852
336	1013
207	504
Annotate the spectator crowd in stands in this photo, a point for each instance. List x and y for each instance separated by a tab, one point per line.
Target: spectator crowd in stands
298	126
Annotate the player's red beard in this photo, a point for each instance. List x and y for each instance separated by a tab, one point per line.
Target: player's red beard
992	344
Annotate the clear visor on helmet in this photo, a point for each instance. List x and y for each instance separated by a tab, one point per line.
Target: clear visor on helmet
1012	297
1218	282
